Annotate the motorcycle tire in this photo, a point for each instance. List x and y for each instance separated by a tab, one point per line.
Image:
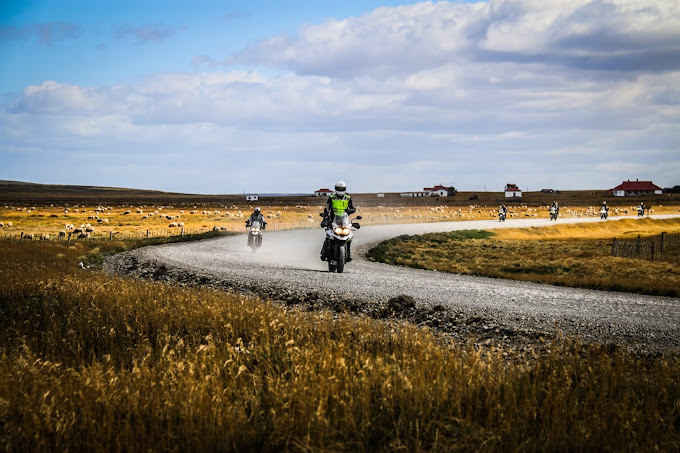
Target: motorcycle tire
341	259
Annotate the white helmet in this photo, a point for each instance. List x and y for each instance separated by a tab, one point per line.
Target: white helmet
340	188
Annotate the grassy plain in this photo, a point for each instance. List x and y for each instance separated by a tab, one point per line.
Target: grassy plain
575	255
91	362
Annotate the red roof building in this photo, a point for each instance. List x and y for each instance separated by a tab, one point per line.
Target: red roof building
511	191
636	188
323	193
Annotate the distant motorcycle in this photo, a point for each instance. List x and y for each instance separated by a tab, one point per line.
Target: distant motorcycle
501	216
255	235
641	211
338	240
603	213
553	213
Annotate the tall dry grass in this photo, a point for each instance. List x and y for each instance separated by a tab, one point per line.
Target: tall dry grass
93	362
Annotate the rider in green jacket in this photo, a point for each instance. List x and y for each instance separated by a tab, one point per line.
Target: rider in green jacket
338	203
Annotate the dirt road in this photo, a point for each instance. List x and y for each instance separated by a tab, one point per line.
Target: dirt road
288	268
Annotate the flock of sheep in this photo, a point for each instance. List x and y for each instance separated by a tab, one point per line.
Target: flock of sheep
101	215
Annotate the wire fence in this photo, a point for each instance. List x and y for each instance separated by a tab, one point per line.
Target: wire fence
664	247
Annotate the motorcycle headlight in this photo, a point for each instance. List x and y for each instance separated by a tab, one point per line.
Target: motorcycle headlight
255	230
345	231
338	231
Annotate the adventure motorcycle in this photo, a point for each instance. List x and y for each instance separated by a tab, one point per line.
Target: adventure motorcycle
641	211
501	216
553	213
338	240
255	235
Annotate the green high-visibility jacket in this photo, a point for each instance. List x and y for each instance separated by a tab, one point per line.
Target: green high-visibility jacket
339	203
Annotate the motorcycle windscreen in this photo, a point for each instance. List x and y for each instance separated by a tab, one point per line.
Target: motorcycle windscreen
255	224
342	220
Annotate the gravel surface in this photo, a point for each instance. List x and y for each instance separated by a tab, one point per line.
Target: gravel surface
489	311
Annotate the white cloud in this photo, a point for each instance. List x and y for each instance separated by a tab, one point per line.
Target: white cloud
470	92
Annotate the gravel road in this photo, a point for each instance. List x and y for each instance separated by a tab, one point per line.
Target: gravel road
287	268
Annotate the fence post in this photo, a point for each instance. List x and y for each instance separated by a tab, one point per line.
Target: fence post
613	247
637	247
652	251
662	253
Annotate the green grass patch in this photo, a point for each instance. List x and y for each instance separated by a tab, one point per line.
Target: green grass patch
576	262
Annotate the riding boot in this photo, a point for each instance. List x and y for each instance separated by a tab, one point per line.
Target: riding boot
323	250
348	258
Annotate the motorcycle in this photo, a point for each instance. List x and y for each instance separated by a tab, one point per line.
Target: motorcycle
641	211
501	216
553	213
255	235
338	240
603	213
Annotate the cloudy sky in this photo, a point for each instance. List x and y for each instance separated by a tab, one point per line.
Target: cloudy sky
269	96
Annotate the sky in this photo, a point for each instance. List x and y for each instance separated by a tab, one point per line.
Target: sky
264	96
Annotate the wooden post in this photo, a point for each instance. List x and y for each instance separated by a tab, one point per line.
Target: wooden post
652	251
637	247
613	247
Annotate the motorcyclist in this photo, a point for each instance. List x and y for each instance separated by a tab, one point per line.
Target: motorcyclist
556	206
641	209
604	207
257	216
338	203
503	210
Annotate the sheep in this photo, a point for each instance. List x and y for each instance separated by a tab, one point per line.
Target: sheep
127	213
2	224
28	236
9	224
173	225
62	234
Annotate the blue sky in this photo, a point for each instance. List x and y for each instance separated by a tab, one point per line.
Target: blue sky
270	96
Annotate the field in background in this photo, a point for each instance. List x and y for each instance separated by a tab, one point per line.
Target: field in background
48	210
91	362
577	255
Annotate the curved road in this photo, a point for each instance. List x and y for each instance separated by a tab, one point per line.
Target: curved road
290	259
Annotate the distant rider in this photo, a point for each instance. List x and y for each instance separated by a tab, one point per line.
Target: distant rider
503	210
604	207
556	206
337	204
256	216
641	209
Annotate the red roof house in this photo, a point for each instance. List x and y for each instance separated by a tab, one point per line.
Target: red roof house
636	188
511	190
323	193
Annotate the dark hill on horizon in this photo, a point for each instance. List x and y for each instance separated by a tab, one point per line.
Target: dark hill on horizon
13	192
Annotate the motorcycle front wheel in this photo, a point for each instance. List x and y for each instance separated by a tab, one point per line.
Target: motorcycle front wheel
341	258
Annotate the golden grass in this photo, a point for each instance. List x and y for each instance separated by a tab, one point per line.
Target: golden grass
623	229
93	362
51	219
570	255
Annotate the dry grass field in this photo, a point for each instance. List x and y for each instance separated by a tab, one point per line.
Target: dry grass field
91	362
572	255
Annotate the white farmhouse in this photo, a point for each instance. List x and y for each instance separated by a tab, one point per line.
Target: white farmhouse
636	188
511	191
252	197
323	193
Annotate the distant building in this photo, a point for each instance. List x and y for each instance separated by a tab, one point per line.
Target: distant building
252	197
512	191
323	193
437	191
381	195
636	188
414	194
